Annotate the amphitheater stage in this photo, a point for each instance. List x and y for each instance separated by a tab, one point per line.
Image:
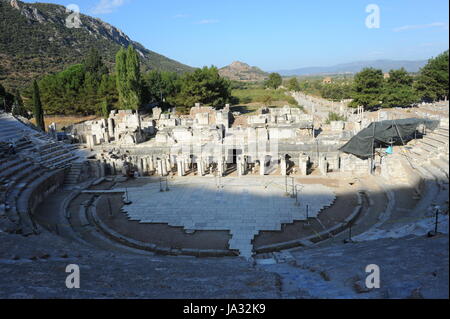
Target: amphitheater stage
234	213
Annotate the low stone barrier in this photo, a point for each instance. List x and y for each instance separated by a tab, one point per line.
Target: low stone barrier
112	234
313	239
35	194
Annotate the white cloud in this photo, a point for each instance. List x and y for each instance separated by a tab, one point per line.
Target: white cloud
107	6
208	21
422	26
180	16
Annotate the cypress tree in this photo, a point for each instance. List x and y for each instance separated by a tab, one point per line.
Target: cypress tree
121	77
38	111
105	108
133	78
128	77
18	108
2	97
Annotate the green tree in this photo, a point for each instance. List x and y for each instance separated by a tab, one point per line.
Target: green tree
368	88
106	108
79	89
134	78
398	90
293	85
274	81
18	107
204	86
65	93
160	86
6	99
332	116
121	76
128	77
94	69
336	91
108	90
432	82
267	100
38	110
93	64
2	97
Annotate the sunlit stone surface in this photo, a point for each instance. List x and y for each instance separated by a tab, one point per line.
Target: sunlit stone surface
244	206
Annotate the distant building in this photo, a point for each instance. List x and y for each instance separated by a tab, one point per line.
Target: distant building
327	80
386	75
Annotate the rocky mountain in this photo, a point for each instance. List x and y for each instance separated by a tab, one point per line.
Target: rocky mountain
36	39
240	71
355	67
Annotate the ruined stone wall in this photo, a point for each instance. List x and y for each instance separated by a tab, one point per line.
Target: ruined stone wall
354	165
44	189
198	112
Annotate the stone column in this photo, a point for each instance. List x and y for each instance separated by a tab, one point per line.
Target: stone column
303	165
151	164
111	127
90	140
201	167
52	130
283	166
204	167
140	166
207	167
262	166
323	165
124	170
106	137
159	167
187	162
145	165
168	163
164	167
239	166
244	165
180	168
220	166
224	166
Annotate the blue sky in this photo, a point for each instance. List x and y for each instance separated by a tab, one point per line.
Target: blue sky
275	35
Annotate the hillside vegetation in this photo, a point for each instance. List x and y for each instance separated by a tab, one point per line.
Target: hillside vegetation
34	41
239	71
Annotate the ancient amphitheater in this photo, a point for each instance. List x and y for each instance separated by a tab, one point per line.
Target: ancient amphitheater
219	204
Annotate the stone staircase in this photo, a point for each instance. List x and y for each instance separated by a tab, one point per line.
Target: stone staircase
430	156
423	165
18	175
338	270
73	175
38	146
35	159
55	155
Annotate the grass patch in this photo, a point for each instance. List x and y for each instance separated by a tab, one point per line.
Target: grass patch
64	121
335	117
266	97
249	100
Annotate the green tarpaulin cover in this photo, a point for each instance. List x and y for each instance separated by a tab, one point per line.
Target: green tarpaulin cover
362	144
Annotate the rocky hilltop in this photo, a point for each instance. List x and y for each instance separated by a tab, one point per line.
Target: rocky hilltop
35	40
240	71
